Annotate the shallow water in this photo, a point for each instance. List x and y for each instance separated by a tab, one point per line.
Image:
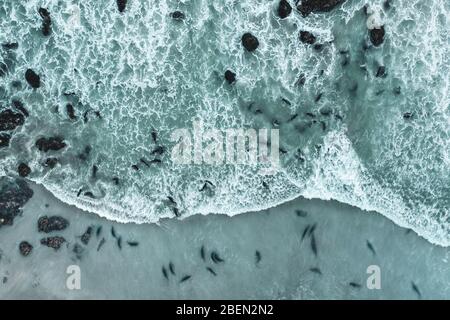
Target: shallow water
143	72
284	271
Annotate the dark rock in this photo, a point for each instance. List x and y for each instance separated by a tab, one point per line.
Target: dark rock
25	248
284	9
46	26
44	13
101	243
70	111
53	242
381	72
53	223
50	162
159	150
89	194
9	120
216	258
301	80
387	5
4	140
319	47
308	6
19	106
133	243
365	10
250	42
345	60
318	97
94	171
177	15
377	36
14	193
307	37
86	236
23	170
408	115
51	143
230	76
78	250
10	45
326	111
85	154
121	5
33	79
16	84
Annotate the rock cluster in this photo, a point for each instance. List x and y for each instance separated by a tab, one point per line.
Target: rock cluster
54	223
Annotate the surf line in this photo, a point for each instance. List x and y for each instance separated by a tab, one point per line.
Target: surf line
233	146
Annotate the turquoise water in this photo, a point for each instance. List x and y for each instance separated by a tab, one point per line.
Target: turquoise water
379	143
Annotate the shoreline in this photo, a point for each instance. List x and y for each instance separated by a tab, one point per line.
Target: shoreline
80	206
288	267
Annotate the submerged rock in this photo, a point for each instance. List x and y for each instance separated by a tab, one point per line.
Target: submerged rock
10	45
381	72
86	236
85	154
51	143
121	5
387	5
319	47
408	115
71	111
33	78
16	84
19	106
230	76
326	111
50	162
78	250
284	9
54	223
25	248
4	140
307	37
309	6
44	13
377	36
177	15
53	242
250	42
23	170
14	193
9	120
46	21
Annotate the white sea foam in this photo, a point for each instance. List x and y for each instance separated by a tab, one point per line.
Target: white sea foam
144	71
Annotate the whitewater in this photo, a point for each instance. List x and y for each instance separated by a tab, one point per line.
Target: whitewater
349	132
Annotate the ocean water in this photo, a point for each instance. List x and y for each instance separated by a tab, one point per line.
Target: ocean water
287	268
379	143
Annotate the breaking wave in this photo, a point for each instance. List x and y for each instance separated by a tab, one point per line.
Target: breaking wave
376	138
